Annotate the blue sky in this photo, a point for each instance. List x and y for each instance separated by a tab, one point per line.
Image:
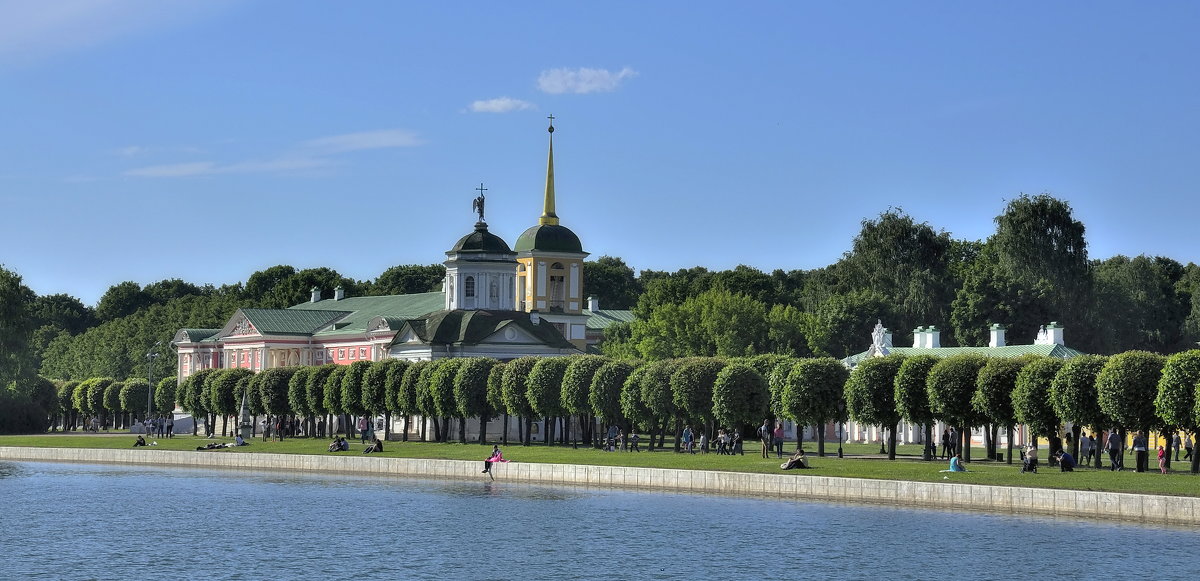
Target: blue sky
145	140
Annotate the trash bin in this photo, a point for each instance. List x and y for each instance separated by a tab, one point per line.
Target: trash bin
999	456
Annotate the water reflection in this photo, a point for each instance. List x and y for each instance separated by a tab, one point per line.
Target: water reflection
251	525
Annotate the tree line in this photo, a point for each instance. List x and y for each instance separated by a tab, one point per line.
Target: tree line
573	398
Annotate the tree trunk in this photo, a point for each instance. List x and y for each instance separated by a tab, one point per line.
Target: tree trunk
504	434
483	422
528	428
1076	430
462	430
988	448
1167	436
965	445
407	419
424	428
928	455
892	442
1010	443
820	441
678	434
1195	454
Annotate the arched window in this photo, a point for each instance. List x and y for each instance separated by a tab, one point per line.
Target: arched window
558	288
494	293
469	287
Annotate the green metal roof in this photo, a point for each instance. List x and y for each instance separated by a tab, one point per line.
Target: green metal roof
291	322
469	327
362	309
1059	351
603	318
549	238
194	335
481	242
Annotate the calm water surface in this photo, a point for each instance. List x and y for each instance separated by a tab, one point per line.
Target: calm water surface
70	521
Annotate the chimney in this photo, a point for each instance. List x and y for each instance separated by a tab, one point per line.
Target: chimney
933	338
316	295
1054	334
887	338
593	304
996	335
534	317
919	338
339	293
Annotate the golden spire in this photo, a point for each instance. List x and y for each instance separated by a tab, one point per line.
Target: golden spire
548	215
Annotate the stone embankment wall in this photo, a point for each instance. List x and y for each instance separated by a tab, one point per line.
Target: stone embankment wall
1144	508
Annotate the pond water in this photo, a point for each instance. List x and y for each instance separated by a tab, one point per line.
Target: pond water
121	522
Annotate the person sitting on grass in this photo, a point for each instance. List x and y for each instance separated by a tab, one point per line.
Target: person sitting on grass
376	446
140	442
1066	462
1030	458
797	461
335	445
240	441
956	464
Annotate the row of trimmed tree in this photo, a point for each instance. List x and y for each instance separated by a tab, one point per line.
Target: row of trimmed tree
575	395
1131	391
110	403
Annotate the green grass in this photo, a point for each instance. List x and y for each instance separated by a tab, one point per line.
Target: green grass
862	461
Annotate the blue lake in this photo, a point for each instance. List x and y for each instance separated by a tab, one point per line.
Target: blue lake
75	521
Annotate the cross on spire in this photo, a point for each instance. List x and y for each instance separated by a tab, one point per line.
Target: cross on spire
551	118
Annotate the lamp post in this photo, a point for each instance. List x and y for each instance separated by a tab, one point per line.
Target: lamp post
841	424
150	357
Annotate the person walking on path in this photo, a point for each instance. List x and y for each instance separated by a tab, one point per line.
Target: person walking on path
1114	451
945	443
764	434
1187	446
1141	453
1175	443
777	437
687	440
1162	460
1085	447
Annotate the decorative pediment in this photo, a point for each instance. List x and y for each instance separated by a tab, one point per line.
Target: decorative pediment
242	327
510	334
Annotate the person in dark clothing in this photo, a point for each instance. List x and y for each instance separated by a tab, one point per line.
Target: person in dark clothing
1066	462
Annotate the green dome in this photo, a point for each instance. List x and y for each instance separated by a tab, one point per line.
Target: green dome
481	242
549	238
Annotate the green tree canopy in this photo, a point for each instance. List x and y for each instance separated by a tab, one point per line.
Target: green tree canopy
912	397
813	394
577	383
604	395
871	391
994	388
471	387
352	388
513	386
1031	398
950	387
1127	386
544	386
1073	392
273	390
1175	402
692	387
740	395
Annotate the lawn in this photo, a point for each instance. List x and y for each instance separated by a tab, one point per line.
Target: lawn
861	461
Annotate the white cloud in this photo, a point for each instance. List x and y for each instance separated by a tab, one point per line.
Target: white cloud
582	80
310	154
174	170
382	139
501	105
32	31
